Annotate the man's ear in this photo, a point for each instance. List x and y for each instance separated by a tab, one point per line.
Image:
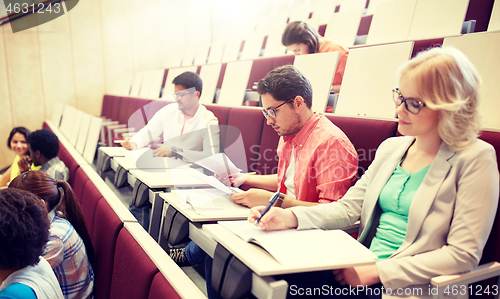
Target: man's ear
198	94
298	102
38	155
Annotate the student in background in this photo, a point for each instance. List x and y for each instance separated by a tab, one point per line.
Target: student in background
184	125
24	231
18	143
69	250
428	200
43	148
300	39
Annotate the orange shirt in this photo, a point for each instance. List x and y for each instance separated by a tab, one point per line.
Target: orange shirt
331	46
326	162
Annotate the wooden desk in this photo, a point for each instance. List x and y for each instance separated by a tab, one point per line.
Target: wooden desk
261	262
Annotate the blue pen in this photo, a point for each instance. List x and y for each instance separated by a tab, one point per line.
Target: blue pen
269	205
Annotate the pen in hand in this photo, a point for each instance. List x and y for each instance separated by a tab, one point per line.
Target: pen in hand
268	207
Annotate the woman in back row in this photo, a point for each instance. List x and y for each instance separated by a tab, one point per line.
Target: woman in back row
428	200
300	39
69	250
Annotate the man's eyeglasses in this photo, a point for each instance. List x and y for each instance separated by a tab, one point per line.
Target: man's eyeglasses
271	112
412	105
180	95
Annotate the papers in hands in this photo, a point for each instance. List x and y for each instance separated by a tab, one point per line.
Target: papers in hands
211	202
217	184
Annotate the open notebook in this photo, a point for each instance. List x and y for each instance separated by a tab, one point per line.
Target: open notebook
308	247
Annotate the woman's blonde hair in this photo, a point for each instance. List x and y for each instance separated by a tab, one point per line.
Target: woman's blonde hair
449	83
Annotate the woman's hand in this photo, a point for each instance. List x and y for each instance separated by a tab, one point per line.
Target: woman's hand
357	276
24	163
274	219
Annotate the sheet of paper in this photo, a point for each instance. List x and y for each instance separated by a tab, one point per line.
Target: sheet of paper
218	163
211	202
212	181
295	247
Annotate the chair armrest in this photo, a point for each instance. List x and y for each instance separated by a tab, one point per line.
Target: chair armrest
478	274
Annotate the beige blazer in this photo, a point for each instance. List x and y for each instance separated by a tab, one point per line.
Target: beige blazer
449	219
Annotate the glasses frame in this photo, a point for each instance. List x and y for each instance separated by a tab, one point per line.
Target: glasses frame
267	111
180	96
396	95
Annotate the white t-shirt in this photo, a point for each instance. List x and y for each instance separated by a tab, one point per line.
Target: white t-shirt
199	133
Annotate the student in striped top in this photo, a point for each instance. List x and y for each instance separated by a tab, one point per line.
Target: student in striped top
69	250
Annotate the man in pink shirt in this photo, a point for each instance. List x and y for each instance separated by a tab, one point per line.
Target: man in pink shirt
317	162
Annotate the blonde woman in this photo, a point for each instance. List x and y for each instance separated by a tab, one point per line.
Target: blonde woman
428	200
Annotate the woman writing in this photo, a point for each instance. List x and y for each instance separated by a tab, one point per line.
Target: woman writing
69	250
427	202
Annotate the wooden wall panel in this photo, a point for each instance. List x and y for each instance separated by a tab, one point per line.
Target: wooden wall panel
24	77
146	33
117	38
6	155
88	57
56	63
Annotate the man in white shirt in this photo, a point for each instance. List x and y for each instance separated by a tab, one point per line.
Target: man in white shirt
185	125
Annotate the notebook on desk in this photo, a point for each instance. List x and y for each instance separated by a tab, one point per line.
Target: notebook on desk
293	247
210	202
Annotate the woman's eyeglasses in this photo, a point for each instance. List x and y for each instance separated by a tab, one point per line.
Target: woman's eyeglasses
412	105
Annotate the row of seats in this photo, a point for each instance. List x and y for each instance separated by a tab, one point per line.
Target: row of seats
128	263
106	225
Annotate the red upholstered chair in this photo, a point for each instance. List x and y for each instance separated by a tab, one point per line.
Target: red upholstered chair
79	182
366	135
133	270
90	198
222	114
46	126
267	162
260	68
161	288
247	123
107	225
283	60
70	162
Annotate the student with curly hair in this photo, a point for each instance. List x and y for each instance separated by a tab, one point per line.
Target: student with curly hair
24	231
69	250
44	147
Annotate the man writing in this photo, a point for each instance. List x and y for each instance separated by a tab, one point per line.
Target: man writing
185	125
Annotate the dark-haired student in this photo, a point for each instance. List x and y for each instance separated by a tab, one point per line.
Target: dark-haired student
69	250
24	231
185	125
300	39
428	201
18	143
43	149
317	162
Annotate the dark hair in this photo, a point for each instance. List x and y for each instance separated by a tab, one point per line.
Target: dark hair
20	130
299	32
44	141
285	83
24	229
189	80
47	188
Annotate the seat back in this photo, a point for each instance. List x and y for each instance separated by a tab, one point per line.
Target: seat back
366	135
133	270
161	288
107	225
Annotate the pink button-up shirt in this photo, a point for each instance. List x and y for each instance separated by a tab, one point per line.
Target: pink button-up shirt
326	162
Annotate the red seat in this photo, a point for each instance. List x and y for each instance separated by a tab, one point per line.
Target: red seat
267	162
161	288
70	162
366	135
107	225
79	182
90	198
133	270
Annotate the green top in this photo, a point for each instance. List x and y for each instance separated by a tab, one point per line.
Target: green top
395	201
